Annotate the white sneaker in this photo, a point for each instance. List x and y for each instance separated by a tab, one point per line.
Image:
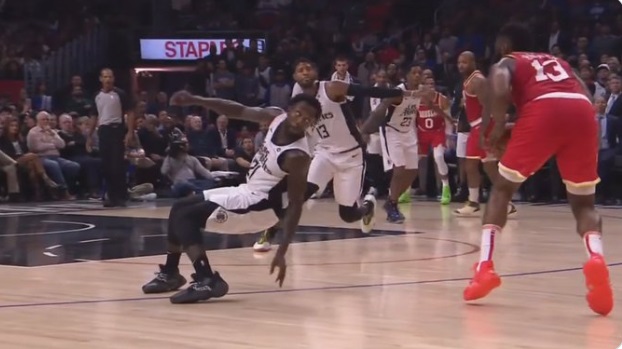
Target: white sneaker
470	209
264	246
368	221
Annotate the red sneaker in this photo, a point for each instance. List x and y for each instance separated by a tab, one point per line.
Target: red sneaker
484	281
599	296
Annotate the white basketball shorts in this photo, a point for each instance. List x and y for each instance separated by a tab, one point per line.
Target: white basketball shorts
241	211
399	149
461	142
374	146
347	170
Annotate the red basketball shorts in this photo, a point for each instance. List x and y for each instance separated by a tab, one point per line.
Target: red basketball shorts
428	140
564	128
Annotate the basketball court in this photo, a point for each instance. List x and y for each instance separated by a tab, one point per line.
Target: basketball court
72	273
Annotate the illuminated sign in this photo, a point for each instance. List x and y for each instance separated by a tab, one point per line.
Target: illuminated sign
186	49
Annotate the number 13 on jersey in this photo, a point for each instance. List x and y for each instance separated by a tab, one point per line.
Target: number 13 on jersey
549	69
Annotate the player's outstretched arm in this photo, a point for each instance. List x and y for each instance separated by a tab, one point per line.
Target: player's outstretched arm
377	117
231	109
296	164
337	90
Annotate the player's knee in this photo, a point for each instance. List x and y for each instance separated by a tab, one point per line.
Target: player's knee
187	201
191	220
349	214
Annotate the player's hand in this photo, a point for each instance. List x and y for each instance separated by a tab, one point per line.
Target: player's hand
279	262
497	139
181	98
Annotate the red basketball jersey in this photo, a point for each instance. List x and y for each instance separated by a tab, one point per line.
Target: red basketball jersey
538	74
429	120
472	106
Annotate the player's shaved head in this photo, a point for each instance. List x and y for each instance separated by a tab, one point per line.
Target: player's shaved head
468	55
466	63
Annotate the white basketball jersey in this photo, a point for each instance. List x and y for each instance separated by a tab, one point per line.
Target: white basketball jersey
265	172
336	131
401	116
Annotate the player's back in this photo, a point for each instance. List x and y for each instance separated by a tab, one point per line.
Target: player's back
336	131
400	116
428	120
265	172
539	74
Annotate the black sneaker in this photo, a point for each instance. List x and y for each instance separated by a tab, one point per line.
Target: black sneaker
165	281
201	290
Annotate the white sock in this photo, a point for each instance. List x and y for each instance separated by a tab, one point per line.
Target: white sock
593	241
487	246
445	182
474	195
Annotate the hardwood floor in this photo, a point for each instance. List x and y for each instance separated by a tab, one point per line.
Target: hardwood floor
77	284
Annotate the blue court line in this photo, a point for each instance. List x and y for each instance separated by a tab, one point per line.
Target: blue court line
307	289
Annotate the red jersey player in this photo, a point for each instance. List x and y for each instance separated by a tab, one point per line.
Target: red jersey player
475	91
555	118
431	127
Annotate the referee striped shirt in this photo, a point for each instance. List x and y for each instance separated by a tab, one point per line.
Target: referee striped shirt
111	106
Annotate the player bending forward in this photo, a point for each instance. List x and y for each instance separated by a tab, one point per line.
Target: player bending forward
278	168
394	116
339	147
433	122
555	118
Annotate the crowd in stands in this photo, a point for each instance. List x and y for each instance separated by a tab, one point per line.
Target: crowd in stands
374	36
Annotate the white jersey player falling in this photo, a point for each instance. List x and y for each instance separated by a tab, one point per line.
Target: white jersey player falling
264	193
398	135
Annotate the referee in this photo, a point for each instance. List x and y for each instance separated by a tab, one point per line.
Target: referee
115	133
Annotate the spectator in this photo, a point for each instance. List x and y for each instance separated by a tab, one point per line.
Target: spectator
78	103
224	81
9	168
223	140
183	169
280	91
243	156
45	142
247	87
75	150
41	100
261	134
12	143
609	128
154	143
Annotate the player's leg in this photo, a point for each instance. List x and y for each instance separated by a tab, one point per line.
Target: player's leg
578	162
491	168
190	221
347	188
461	142
533	142
168	278
474	155
403	175
438	152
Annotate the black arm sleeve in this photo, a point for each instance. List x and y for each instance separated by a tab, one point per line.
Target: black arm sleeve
374	92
